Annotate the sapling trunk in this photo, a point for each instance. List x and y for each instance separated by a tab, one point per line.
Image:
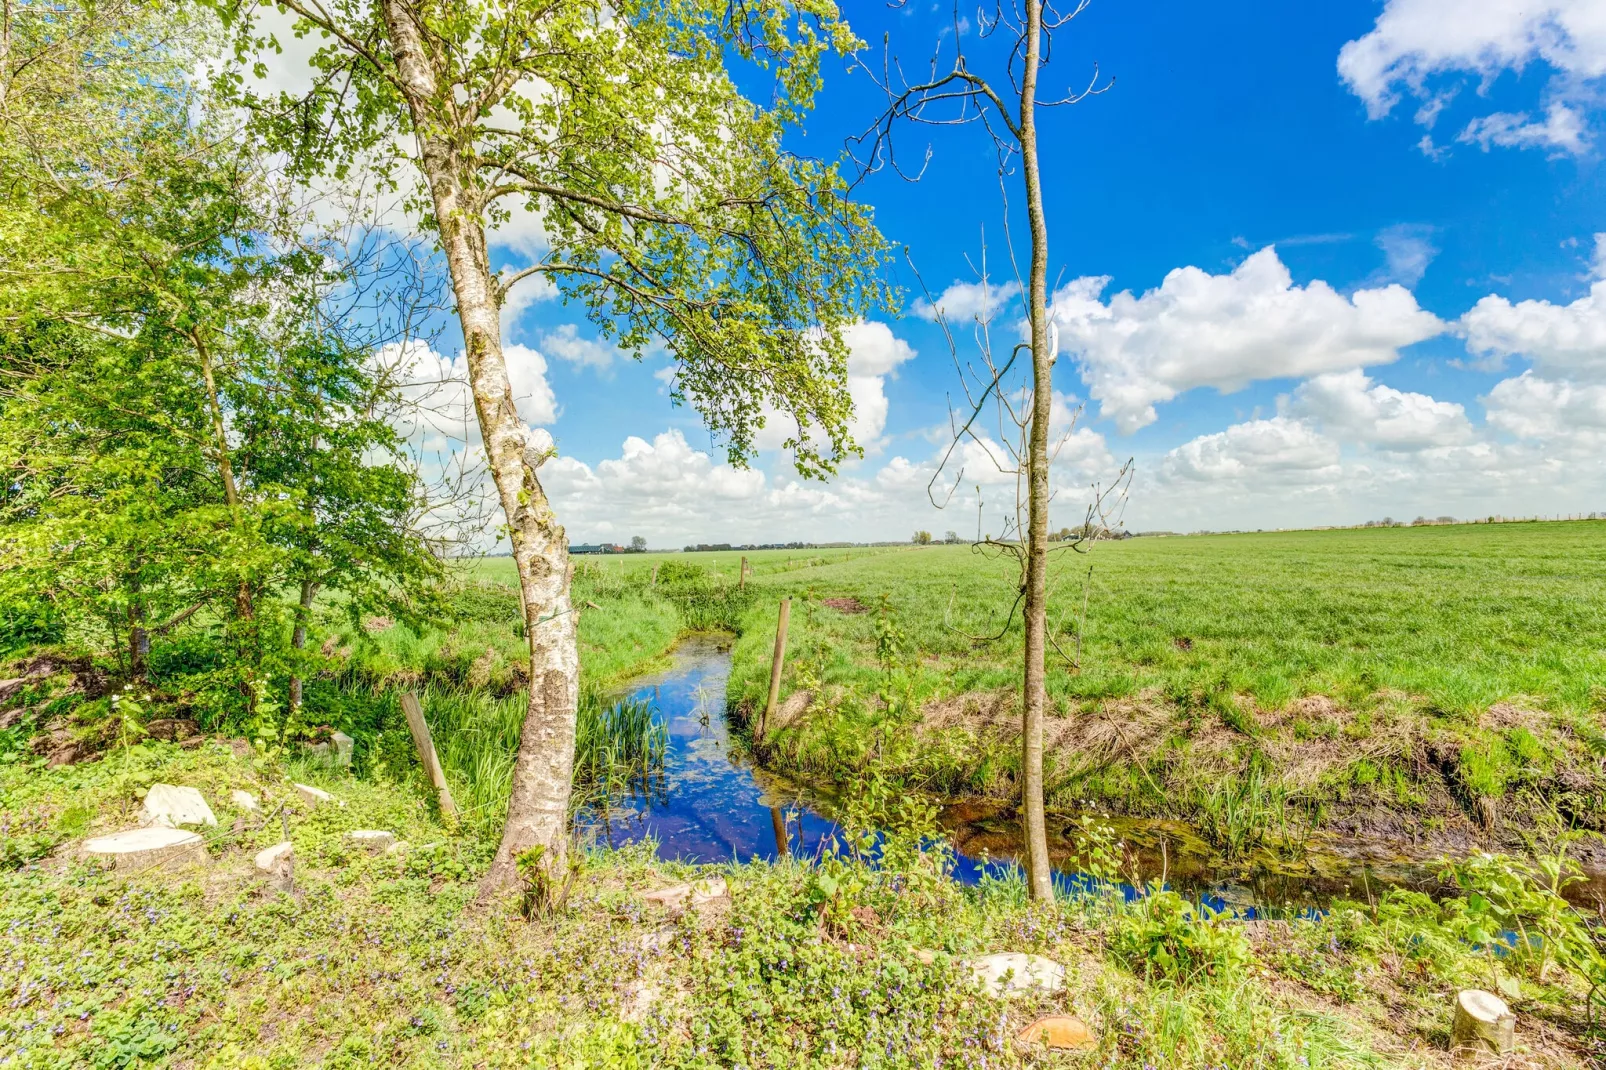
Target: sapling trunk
1035	697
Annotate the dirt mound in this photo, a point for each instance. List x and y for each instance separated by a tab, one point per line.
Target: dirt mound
845	605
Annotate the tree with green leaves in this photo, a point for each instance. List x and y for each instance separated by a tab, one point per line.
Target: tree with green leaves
672	212
182	430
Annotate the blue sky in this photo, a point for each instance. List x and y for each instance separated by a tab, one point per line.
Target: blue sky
1358	242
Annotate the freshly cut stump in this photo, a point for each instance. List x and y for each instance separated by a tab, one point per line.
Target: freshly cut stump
1483	1025
139	849
279	864
372	839
1065	1032
1009	974
173	806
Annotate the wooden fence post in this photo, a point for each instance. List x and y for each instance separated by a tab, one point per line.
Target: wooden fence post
426	752
741	584
783	841
655	575
775	667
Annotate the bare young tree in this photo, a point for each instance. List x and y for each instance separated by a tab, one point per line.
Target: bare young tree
1004	102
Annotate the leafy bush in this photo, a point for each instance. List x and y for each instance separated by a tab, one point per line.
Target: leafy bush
1510	901
489	602
1164	936
28	621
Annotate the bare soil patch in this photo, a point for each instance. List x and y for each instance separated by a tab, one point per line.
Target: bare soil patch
845	604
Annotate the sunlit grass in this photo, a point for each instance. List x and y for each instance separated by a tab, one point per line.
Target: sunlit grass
1458	617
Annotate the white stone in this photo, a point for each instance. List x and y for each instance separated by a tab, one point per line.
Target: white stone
315	796
338	751
143	848
272	859
697	892
1012	973
279	863
372	839
172	807
245	801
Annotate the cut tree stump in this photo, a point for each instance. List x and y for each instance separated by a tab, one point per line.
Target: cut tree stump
372	839
1065	1032
173	806
139	849
1483	1025
1011	973
279	864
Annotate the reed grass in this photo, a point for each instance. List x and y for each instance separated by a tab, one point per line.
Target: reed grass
618	745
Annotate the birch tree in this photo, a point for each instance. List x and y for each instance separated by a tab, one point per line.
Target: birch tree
671	212
1004	101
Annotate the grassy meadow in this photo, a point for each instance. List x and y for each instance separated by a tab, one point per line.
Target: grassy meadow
1450	679
1441	679
1436	679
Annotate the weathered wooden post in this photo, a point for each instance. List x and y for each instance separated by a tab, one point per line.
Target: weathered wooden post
783	842
655	575
741	584
426	752
775	667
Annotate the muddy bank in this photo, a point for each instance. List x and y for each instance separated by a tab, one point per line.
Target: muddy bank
1387	782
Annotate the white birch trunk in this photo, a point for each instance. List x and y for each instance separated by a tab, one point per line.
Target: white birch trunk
539	807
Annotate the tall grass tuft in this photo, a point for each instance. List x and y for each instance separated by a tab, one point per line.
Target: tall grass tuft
617	745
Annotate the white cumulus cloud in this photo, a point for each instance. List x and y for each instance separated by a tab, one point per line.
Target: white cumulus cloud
965	302
1533	407
1352	405
1278	450
1562	128
565	343
441	406
1225	331
874	353
1567	339
1415	43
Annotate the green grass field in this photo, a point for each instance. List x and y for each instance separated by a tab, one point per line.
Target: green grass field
1436	681
1458	618
1434	675
1446	672
1415	669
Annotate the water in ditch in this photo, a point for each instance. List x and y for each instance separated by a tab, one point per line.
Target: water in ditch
711	804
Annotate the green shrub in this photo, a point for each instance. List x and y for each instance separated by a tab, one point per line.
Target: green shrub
28	621
1163	936
489	602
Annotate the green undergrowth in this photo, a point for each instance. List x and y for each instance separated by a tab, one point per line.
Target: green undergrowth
383	958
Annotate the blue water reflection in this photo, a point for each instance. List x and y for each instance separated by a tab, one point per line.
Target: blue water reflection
711	804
